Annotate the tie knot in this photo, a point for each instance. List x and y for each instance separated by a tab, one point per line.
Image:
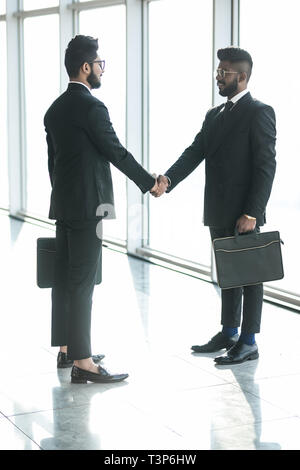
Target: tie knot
228	106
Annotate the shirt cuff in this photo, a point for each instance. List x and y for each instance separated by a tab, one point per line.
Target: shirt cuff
249	217
169	181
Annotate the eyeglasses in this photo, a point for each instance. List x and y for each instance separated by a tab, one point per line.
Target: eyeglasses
222	72
101	63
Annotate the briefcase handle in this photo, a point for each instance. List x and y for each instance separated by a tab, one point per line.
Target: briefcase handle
237	233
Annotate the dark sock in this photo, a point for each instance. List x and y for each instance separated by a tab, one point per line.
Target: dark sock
247	338
229	332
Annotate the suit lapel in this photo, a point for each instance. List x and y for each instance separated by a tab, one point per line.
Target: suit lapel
223	131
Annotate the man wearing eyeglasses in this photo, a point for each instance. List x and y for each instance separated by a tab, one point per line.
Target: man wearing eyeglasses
237	141
81	145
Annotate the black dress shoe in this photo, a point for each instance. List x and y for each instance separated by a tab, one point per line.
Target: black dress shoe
98	357
239	353
80	376
64	362
219	341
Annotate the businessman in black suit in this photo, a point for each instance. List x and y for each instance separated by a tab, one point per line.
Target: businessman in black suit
237	141
81	145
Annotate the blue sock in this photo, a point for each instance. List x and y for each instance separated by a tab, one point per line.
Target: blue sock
229	332
247	338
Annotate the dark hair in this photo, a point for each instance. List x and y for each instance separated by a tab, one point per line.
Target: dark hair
237	55
80	49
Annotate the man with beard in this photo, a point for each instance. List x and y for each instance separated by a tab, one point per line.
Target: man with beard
237	141
81	145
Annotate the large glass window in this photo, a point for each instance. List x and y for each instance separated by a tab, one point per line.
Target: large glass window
180	84
37	4
109	26
2	7
275	81
41	59
3	116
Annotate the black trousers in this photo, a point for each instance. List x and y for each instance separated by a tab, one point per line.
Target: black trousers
77	254
247	300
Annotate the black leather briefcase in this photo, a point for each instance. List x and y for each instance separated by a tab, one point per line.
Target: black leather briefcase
248	259
46	248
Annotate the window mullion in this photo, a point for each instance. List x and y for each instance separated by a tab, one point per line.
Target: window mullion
66	28
134	120
15	142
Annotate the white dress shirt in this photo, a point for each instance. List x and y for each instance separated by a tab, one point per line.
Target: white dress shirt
237	97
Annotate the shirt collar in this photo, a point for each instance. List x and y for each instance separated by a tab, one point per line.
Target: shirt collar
239	96
80	83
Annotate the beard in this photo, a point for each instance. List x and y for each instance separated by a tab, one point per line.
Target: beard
229	89
94	81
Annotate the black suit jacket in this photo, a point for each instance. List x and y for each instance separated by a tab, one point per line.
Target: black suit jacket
239	153
81	145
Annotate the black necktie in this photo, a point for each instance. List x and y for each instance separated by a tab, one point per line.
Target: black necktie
227	108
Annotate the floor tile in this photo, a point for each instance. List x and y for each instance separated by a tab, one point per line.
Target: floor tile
97	426
45	392
197	413
11	438
268	435
282	391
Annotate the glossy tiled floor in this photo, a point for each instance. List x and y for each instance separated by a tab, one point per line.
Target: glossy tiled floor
145	318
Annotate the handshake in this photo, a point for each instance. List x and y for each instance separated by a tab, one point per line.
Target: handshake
161	185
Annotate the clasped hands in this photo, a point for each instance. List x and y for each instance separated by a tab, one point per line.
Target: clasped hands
160	187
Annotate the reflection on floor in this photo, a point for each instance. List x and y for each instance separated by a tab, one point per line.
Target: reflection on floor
145	318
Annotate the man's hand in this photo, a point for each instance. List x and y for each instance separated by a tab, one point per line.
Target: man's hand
246	224
162	186
155	187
